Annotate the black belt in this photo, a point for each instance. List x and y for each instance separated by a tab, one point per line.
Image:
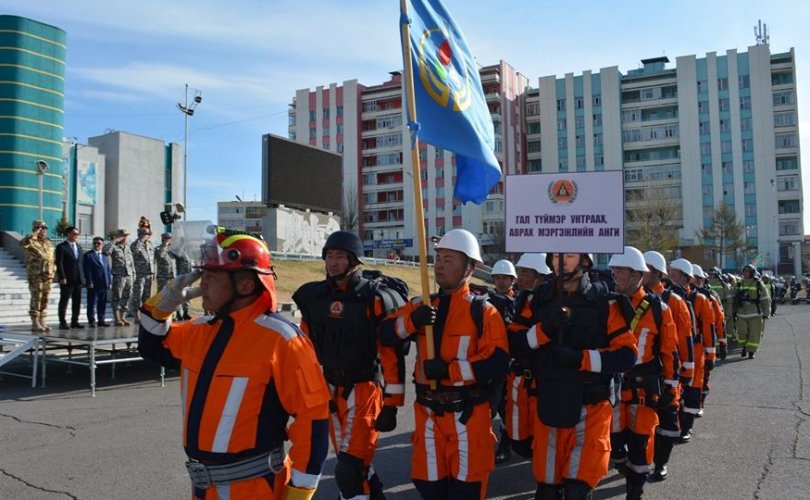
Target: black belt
522	368
204	476
453	400
347	378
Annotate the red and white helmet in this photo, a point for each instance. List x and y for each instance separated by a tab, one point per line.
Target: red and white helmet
232	251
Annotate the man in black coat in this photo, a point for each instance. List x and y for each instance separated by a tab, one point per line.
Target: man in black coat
69	274
98	276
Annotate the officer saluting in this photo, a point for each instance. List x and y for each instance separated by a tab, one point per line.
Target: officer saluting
245	371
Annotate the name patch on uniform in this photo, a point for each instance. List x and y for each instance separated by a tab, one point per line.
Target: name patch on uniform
336	308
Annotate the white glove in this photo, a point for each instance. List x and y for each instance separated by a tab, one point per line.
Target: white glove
177	291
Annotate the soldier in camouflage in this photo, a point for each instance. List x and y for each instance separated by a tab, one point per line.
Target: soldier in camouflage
183	266
123	272
40	265
164	261
144	256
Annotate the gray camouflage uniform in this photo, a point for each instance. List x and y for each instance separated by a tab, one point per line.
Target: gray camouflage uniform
165	264
143	254
123	272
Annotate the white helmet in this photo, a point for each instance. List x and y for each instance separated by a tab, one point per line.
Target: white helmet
697	271
682	265
631	258
535	261
656	261
503	267
462	241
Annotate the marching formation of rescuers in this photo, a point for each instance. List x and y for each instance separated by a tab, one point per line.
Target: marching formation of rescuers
584	372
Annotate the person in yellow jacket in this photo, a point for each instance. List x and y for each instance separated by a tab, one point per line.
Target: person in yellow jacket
245	371
752	305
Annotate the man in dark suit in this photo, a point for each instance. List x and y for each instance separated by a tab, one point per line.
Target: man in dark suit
69	274
98	276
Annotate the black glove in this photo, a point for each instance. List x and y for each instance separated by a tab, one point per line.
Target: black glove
387	419
685	381
665	399
567	357
709	364
722	351
423	315
436	369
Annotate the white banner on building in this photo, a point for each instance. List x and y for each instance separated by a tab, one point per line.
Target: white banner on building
565	212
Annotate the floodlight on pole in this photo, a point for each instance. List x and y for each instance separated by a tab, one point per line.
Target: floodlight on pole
42	166
187	108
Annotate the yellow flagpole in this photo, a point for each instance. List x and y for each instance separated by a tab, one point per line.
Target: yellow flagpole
417	182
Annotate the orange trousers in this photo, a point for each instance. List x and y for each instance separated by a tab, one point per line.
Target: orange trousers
578	453
520	408
633	428
351	427
445	448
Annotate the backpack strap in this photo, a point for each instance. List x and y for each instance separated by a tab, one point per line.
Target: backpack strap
477	313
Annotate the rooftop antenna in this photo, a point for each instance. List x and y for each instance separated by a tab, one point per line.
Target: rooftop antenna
761	33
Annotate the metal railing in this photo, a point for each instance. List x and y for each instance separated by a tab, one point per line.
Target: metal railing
366	260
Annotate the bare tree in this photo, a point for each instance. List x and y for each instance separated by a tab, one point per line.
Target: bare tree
725	235
652	222
349	218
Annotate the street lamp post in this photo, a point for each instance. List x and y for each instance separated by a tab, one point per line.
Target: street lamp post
42	166
187	108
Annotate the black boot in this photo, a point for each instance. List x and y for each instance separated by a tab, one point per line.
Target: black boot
659	474
504	451
548	492
634	491
744	352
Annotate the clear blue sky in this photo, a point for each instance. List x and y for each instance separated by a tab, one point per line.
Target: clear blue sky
128	62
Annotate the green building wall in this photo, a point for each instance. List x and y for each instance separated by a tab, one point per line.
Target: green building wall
32	83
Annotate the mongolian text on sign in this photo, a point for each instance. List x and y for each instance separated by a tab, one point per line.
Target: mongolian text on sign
565	212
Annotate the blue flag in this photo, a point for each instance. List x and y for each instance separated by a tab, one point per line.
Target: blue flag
450	105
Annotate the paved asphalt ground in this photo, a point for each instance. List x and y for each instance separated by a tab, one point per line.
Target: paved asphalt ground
58	442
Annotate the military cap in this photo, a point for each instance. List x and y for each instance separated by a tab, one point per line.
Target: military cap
38	224
143	231
166	236
121	232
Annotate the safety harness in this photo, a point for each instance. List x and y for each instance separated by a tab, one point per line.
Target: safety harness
204	475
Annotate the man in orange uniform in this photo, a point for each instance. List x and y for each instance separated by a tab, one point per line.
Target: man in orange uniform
245	371
699	283
680	272
668	430
584	343
520	400
453	450
341	314
651	381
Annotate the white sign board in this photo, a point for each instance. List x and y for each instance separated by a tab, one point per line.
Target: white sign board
565	212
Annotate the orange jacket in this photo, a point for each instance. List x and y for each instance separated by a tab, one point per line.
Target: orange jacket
719	318
645	330
683	327
470	357
704	315
241	381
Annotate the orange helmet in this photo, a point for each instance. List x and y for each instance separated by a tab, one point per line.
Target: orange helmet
232	251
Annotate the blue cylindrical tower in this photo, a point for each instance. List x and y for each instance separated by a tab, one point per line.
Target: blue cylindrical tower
32	84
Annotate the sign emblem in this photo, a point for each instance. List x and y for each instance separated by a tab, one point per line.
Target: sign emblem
336	308
447	82
562	191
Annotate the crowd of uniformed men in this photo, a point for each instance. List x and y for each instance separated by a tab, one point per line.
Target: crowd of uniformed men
586	368
114	271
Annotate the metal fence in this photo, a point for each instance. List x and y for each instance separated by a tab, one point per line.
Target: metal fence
366	260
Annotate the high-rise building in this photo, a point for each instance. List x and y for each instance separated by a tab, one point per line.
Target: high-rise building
32	83
366	124
711	130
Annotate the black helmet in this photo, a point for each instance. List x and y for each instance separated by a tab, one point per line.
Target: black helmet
344	240
716	271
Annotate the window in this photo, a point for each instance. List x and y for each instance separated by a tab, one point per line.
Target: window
725	125
533	146
339	110
749	187
632	115
533	128
369	106
597	120
562	143
789	183
597	139
785	141
580	163
750	210
706	169
649	94
748	166
702	86
326	113
722	83
747	145
789	206
597	101
725	146
312	116
535	166
728	189
707	190
579	102
561	104
744	81
728	167
745	102
326	131
561	124
789	228
746	123
532	109
706	148
703	126
781	78
703	107
579	122
723	102
563	164
580	141
787	163
784	119
783	98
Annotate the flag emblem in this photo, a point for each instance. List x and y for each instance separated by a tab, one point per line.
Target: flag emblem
447	81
